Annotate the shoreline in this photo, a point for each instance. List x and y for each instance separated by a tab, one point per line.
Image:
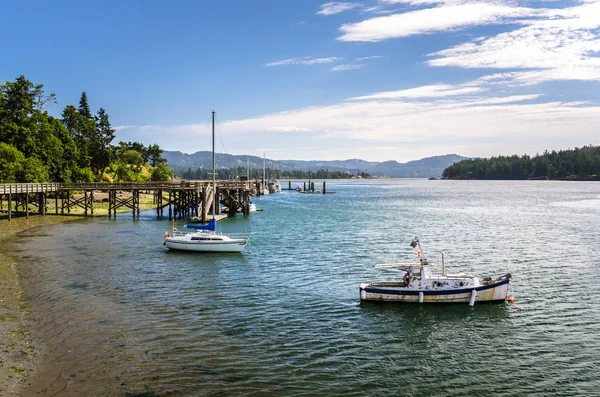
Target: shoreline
20	352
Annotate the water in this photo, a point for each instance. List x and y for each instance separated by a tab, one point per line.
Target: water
120	316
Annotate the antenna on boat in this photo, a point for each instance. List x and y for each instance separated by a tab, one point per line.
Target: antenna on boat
443	265
416	243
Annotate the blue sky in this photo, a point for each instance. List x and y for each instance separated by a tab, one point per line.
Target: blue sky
314	80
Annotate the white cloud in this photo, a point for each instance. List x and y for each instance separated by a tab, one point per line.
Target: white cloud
341	68
303	61
336	7
427	91
409	124
430	20
562	46
289	128
369	58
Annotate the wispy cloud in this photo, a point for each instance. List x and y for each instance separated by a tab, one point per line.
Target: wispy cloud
336	7
304	61
368	58
427	91
562	46
341	68
430	20
407	124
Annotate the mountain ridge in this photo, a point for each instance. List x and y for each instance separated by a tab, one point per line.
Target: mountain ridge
424	168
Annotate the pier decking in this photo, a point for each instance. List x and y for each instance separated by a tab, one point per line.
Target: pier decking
181	199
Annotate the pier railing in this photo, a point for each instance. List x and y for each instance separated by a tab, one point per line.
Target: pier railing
19	188
181	198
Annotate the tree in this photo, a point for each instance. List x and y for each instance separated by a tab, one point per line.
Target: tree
155	155
161	173
101	151
84	107
11	163
15	167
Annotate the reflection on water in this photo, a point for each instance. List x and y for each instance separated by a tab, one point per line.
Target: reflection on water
120	316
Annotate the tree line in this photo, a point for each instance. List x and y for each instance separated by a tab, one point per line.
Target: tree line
573	164
37	147
257	173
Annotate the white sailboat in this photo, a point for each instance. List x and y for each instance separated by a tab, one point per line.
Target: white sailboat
265	188
205	238
251	205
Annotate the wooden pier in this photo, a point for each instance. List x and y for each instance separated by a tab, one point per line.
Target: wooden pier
309	189
181	199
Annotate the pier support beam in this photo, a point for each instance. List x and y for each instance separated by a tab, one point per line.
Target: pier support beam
10	203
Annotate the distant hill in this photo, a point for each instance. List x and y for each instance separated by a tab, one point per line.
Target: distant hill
424	168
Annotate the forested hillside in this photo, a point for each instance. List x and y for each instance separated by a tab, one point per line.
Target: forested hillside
573	164
37	147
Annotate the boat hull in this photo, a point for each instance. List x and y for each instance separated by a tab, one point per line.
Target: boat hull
394	292
234	245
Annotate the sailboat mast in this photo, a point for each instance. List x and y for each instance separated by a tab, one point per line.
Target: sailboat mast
215	196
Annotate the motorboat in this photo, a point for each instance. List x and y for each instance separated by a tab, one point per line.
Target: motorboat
420	284
274	187
204	239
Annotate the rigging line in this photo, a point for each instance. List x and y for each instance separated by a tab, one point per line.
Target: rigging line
220	135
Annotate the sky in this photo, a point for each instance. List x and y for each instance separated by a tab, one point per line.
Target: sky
375	80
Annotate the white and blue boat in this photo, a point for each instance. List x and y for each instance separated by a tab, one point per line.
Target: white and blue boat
420	285
204	239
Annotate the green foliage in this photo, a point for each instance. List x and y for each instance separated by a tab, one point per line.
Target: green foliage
161	173
76	148
578	164
33	171
256	173
11	163
15	167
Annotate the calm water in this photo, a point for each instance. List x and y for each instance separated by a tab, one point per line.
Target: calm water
120	316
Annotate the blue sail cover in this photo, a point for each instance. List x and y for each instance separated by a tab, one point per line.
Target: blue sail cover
212	225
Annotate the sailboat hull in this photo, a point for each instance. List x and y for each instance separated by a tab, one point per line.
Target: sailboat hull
233	245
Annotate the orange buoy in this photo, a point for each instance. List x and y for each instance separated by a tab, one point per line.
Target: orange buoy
511	299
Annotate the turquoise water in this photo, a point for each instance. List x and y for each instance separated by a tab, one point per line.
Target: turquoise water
119	315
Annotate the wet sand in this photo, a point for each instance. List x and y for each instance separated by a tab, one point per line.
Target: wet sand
19	351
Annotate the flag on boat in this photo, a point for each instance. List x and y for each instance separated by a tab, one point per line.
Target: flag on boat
414	243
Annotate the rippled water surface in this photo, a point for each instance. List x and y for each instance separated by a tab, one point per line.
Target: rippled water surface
120	316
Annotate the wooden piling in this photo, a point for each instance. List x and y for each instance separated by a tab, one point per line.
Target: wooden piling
42	203
10	203
27	201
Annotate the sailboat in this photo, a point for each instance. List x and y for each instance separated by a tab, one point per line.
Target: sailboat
205	237
251	205
265	188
